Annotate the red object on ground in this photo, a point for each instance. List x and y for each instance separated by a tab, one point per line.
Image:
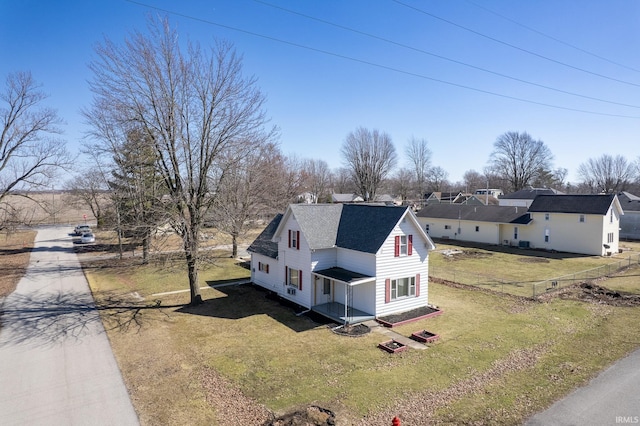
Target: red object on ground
395	421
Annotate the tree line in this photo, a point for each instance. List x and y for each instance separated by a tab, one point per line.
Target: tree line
178	137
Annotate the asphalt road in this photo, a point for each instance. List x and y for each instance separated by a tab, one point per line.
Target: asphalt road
612	398
56	364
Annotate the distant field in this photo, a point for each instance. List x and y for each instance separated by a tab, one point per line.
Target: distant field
45	208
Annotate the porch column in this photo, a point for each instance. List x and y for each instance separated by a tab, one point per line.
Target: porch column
346	299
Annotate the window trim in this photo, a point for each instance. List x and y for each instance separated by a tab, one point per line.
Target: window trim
410	288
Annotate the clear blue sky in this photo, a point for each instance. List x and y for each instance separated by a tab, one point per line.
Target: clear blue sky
374	63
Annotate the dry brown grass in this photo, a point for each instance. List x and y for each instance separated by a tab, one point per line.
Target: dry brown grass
44	208
15	250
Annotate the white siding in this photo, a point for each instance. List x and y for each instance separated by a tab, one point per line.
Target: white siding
271	280
294	258
390	267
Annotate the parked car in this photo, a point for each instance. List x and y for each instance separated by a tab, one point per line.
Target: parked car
81	229
87	237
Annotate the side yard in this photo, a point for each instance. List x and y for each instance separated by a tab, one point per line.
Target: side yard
521	272
242	358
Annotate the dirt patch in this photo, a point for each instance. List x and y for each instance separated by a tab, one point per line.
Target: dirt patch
593	293
467	254
310	416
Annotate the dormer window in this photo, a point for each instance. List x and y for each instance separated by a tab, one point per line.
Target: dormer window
403	245
294	239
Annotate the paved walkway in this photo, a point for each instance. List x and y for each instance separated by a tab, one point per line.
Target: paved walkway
56	364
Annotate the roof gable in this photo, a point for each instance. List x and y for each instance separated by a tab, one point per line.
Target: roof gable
583	204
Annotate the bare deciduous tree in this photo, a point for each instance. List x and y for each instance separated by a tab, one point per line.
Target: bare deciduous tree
519	159
370	156
420	156
607	173
317	176
195	106
241	193
403	183
437	178
30	152
89	189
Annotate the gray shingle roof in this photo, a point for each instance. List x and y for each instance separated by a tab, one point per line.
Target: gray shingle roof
491	213
585	204
263	244
366	227
360	227
629	202
318	222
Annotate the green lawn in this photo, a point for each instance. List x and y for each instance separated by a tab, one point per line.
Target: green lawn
498	361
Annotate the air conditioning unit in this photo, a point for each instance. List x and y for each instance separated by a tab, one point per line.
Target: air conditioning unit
291	291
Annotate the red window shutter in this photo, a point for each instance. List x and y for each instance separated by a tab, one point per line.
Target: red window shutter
397	246
259	266
417	285
410	245
289	238
298	240
286	275
267	268
387	290
300	280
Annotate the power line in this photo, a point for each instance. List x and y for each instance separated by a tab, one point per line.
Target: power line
550	37
499	74
373	64
513	46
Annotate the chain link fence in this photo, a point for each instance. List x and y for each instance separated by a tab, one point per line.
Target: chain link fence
530	288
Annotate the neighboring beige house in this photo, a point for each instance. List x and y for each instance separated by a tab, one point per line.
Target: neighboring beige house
478	223
586	224
349	262
346	198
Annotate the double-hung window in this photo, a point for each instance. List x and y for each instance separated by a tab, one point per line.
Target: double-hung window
403	287
403	245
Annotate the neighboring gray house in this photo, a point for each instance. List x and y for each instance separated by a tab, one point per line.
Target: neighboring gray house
630	222
349	262
525	197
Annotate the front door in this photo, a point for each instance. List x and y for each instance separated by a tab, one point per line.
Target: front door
324	291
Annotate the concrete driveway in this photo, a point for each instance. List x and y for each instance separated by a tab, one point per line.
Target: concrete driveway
612	398
56	364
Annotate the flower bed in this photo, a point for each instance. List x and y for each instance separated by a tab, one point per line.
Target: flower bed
424	336
392	346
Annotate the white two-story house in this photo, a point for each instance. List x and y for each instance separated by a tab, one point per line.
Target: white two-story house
350	262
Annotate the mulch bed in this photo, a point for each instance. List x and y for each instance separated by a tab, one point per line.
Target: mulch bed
408	316
355	330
